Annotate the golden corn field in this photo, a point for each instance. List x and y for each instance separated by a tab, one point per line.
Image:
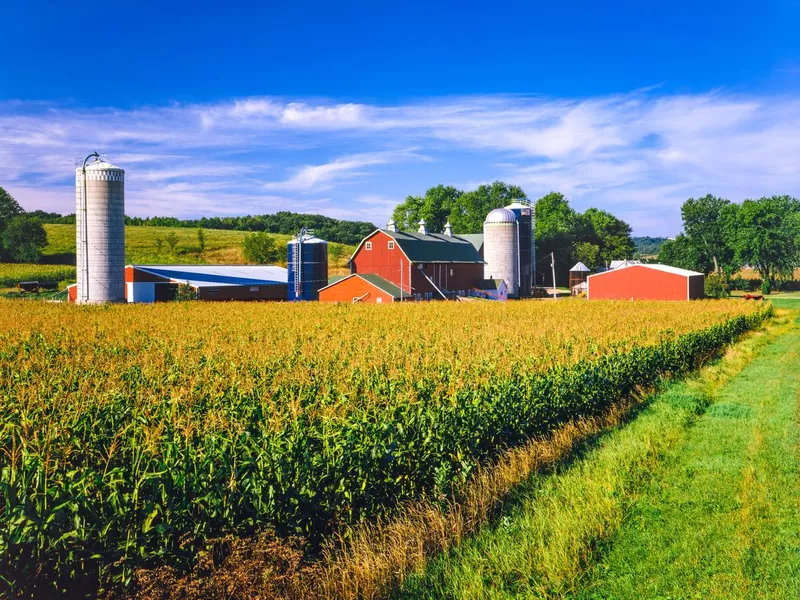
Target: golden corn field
131	434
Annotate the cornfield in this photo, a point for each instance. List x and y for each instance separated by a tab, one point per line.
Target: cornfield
132	434
11	273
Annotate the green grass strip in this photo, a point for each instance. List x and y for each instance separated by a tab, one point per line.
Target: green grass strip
720	519
561	524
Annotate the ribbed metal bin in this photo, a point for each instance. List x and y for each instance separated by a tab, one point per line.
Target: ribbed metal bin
307	267
524	216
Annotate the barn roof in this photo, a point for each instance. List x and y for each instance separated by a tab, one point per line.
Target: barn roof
435	247
476	239
218	275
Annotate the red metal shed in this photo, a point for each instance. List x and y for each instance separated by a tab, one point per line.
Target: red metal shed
646	282
368	288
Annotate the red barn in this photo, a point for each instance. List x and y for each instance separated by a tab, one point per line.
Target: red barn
423	265
646	282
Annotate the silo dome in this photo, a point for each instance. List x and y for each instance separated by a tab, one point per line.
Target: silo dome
100	232
501	248
501	215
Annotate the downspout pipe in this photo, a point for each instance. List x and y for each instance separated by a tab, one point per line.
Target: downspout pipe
84	227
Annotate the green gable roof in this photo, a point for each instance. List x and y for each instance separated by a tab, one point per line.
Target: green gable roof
476	239
435	247
381	283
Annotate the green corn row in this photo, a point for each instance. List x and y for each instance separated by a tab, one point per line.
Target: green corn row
136	485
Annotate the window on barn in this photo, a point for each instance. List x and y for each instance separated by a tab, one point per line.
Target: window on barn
379	300
391	245
451	272
368	246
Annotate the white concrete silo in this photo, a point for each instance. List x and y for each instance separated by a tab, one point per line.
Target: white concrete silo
501	248
100	233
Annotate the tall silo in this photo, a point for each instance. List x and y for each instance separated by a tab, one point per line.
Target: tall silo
307	266
100	232
501	248
524	214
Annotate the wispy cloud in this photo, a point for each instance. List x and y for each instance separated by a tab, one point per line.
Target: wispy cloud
639	154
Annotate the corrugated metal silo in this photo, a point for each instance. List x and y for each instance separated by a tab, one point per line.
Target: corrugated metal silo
307	266
501	248
524	214
100	233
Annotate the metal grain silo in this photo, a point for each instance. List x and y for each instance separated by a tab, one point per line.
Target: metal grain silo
307	266
524	214
100	232
501	248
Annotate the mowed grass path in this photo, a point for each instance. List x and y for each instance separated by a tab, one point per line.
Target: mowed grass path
722	520
697	497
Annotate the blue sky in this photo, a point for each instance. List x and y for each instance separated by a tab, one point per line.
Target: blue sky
345	108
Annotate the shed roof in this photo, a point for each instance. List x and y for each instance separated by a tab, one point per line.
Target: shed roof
218	275
376	280
381	283
657	267
581	268
492	284
435	247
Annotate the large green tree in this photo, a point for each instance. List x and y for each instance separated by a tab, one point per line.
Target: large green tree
765	234
466	211
683	253
9	208
704	222
24	239
471	208
611	235
435	207
557	229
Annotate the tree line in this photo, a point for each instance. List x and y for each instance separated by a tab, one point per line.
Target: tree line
594	237
283	222
720	237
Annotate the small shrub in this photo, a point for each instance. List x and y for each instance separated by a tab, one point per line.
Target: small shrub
260	248
201	239
172	241
185	292
716	287
766	287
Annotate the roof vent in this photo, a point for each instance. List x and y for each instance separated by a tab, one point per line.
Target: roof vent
391	226
422	228
448	229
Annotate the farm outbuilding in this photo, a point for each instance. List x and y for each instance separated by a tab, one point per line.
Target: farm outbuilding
156	283
361	287
646	282
424	265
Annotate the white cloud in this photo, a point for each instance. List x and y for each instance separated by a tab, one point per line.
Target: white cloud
319	177
639	154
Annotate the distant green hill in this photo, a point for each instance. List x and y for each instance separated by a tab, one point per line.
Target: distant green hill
141	246
284	222
648	245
